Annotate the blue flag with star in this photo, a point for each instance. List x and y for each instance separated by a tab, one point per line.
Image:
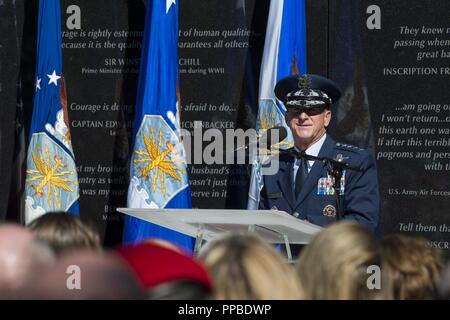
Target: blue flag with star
51	178
158	169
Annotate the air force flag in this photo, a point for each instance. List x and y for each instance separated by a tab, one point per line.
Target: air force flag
51	176
284	54
158	173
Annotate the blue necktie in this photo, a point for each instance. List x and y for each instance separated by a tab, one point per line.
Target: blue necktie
300	178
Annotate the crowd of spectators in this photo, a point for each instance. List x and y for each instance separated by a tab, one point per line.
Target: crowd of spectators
58	256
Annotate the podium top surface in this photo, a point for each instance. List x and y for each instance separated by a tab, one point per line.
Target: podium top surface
270	224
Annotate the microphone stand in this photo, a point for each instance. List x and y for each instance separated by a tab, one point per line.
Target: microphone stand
335	168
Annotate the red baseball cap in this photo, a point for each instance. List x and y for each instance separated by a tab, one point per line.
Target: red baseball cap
155	264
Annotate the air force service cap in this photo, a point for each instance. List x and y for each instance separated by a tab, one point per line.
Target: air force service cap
307	91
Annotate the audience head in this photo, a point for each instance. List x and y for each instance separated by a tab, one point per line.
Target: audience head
86	275
334	265
166	272
63	232
22	257
243	266
411	267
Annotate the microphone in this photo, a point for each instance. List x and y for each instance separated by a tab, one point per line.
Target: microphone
273	136
269	138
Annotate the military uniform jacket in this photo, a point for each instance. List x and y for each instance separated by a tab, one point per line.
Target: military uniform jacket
316	201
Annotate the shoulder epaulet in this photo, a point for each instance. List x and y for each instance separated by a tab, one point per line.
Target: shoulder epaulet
348	147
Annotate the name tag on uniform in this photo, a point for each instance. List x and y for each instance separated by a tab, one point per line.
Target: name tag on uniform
275	195
325	185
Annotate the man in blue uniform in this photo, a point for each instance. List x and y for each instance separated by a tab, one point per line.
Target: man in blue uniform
304	188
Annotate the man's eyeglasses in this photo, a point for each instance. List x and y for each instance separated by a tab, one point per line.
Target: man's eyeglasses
311	111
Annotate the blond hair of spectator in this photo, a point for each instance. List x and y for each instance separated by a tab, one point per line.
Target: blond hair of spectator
412	268
63	232
335	264
242	266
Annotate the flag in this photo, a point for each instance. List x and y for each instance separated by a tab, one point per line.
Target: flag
51	177
284	54
158	170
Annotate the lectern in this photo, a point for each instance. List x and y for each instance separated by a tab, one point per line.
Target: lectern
207	224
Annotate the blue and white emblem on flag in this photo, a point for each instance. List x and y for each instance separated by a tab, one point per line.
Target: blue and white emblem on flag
158	168
51	183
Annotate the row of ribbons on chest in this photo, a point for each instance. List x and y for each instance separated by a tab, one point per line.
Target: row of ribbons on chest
325	185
